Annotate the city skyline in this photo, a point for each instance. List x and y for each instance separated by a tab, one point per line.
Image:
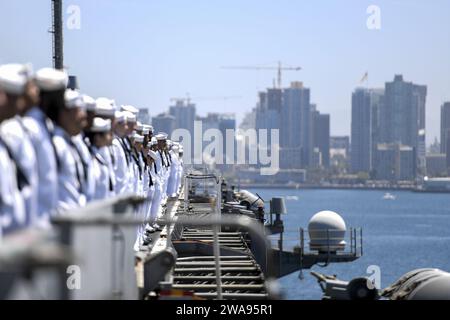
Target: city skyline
150	60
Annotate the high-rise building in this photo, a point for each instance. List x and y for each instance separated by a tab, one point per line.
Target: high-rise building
296	130
249	121
184	113
395	162
340	143
321	136
164	123
290	111
448	153
402	116
436	165
339	153
376	104
221	122
268	111
435	147
361	131
445	127
143	116
227	122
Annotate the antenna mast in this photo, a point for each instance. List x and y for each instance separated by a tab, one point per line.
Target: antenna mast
57	30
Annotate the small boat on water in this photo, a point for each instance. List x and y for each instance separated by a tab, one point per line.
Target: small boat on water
389	196
291	198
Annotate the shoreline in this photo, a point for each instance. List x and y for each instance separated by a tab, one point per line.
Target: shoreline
312	187
334	187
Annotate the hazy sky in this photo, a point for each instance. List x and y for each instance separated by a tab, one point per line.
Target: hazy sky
144	52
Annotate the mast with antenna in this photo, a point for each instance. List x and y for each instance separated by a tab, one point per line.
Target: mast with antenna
57	30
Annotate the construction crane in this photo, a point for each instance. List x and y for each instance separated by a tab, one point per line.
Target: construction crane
279	69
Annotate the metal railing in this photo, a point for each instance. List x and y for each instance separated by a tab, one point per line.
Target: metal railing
300	239
101	215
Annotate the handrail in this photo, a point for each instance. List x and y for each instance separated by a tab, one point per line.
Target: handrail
253	227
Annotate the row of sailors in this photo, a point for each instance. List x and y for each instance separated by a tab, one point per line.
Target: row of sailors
60	149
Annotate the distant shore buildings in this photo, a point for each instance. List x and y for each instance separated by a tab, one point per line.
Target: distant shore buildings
386	143
304	131
388	131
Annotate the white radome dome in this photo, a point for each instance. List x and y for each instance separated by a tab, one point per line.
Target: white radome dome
327	231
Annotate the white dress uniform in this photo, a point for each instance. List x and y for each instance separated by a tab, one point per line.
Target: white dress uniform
151	189
163	174
105	107
172	182
136	175
153	185
17	161
144	210
145	184
155	209
121	165
143	187
88	186
180	172
40	130
70	184
15	135
12	205
102	175
133	172
108	156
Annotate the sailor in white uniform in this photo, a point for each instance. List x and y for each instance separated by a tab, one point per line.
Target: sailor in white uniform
139	153
180	170
100	136
161	137
158	170
40	126
146	175
172	187
137	172
106	109
148	185
122	159
131	115
13	179
83	145
151	158
125	142
16	137
136	167
71	120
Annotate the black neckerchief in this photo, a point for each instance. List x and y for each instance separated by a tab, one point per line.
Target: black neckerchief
77	170
167	158
111	153
51	133
136	160
85	165
162	159
103	163
125	150
150	177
